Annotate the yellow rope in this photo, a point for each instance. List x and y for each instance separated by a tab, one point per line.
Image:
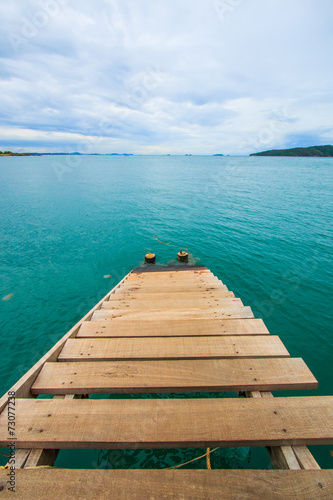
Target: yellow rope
41	467
193	460
167	244
37	467
208	458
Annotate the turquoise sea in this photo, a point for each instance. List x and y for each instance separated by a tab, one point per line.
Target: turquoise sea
262	225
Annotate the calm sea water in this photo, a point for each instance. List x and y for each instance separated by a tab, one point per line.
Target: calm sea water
262	225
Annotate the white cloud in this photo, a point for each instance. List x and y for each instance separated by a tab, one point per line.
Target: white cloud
167	76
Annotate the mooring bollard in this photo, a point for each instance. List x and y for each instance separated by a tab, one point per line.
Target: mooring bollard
182	256
150	258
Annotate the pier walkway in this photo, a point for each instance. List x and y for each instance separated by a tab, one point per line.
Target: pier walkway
170	330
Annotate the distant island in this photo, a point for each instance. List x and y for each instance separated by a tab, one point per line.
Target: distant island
317	151
9	153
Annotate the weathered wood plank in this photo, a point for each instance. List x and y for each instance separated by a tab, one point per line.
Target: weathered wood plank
172	328
173	278
238	312
305	458
105	349
287	457
181	288
283	457
174	376
171	296
207	281
171	269
169	303
171	423
170	484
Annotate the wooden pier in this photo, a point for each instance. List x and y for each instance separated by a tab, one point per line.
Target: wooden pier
167	330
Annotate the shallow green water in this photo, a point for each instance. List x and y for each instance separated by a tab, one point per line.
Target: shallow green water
262	225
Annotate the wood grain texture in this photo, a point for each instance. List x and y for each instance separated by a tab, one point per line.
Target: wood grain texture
176	277
172	328
174	376
69	484
172	348
181	288
171	296
171	423
162	315
170	303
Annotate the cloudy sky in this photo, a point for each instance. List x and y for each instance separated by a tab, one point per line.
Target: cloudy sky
165	76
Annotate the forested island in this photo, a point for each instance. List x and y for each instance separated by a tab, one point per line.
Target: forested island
10	153
317	151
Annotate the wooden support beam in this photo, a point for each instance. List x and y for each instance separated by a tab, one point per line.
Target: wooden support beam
287	457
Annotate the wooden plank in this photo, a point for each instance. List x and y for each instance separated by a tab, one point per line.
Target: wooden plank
21	456
22	386
172	348
172	328
305	458
235	312
177	280
39	457
283	457
287	457
170	484
169	303
173	272
181	288
173	277
170	269
171	296
171	423
174	376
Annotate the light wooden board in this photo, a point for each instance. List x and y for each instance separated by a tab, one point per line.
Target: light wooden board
69	484
169	303
174	376
237	312
155	280
173	273
172	328
170	295
171	423
138	289
174	270
172	348
177	278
